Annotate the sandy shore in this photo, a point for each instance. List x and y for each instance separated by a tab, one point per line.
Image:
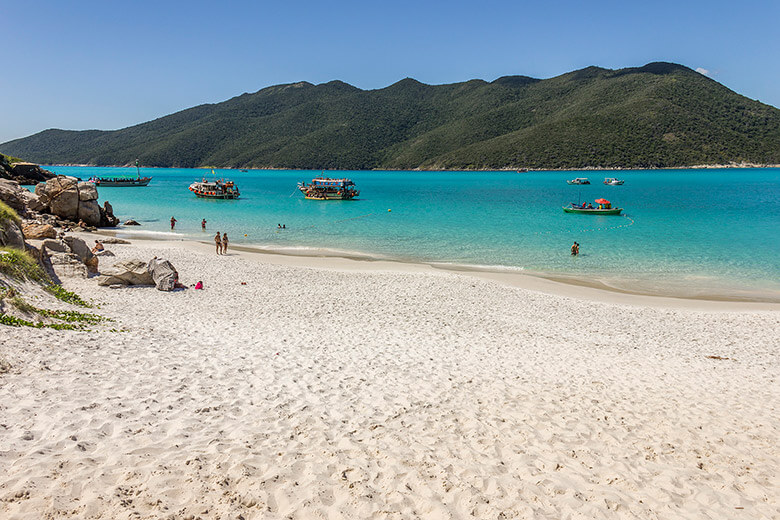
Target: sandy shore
333	388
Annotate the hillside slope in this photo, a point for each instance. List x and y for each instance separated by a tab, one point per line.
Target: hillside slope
659	115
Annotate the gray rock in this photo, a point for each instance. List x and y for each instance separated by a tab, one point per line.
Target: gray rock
130	272
56	246
79	248
11	234
11	194
89	212
163	273
66	265
87	191
33	202
114	240
131	222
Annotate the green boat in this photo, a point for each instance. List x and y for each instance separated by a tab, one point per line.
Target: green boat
604	208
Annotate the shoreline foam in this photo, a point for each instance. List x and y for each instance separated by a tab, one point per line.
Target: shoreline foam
555	283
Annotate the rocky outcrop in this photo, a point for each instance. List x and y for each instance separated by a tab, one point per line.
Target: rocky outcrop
107	218
73	200
23	172
130	272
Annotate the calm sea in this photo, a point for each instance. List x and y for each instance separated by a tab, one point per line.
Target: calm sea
685	232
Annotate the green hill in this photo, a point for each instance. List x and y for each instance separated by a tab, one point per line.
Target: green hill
659	115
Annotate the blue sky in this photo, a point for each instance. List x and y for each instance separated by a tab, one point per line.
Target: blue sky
107	65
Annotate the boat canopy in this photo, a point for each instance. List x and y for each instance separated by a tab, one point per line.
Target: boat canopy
335	183
602	201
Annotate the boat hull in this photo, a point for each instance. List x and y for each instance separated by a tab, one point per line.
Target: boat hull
122	184
594	211
224	197
329	196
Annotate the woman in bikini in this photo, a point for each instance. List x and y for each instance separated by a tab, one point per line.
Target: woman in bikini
218	242
224	243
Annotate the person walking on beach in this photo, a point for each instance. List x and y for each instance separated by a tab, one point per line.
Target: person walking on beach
224	243
203	224
173	223
218	242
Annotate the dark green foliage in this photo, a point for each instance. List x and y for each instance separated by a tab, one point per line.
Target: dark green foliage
659	115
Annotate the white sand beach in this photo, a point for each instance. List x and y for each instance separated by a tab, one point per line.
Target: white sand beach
332	388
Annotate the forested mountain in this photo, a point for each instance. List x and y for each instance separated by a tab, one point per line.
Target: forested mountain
659	115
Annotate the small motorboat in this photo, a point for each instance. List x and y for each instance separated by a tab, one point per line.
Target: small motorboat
611	181
604	208
579	180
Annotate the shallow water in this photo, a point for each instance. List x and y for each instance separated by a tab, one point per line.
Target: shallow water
686	232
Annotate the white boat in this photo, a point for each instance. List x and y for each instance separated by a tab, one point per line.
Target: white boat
613	181
579	180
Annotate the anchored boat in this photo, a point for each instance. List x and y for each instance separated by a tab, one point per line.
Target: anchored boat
604	208
324	188
216	189
121	180
611	181
579	180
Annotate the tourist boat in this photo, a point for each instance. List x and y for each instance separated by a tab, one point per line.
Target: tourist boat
579	180
324	188
611	181
216	189
604	208
121	181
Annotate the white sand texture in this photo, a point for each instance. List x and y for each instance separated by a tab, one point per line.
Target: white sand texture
335	391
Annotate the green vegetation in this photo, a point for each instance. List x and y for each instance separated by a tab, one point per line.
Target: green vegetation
7	213
659	115
7	159
19	265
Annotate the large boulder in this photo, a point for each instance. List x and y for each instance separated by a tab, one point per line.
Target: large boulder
163	273
67	265
61	194
130	272
107	218
39	231
56	246
11	234
79	248
11	194
89	212
87	191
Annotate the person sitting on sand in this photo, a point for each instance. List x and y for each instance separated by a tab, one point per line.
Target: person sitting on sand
199	285
224	243
98	247
218	242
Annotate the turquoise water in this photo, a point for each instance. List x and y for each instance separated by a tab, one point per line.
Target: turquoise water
687	232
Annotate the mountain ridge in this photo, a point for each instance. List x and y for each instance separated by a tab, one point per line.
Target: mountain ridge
658	115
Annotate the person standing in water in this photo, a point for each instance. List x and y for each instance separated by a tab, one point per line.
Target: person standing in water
203	224
224	243
173	223
575	249
218	243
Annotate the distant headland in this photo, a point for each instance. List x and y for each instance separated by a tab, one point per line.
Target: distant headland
661	115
